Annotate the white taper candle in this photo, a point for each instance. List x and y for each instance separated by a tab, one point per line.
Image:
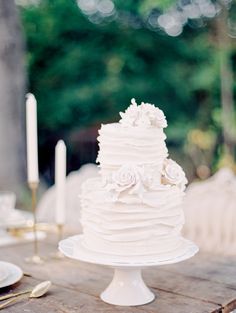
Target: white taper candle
32	139
60	182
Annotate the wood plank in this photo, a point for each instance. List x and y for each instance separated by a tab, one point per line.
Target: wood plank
216	268
79	272
193	287
65	300
173	287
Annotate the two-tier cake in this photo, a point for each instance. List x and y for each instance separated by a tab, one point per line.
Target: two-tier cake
135	206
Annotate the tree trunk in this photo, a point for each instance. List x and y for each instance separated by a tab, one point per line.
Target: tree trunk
12	91
226	76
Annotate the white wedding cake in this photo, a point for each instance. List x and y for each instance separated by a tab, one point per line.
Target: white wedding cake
135	207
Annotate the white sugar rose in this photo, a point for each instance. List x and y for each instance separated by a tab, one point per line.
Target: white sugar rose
154	114
144	115
173	174
126	177
131	114
143	121
160	119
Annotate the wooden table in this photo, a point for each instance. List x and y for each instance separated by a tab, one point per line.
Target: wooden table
202	284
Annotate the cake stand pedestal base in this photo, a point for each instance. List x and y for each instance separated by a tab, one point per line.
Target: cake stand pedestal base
127	288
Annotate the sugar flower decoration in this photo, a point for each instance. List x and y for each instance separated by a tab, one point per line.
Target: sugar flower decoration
173	174
129	178
144	115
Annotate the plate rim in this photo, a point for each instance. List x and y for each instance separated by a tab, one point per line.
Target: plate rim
11	279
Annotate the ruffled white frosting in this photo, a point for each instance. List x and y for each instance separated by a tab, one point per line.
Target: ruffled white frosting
120	145
135	208
130	225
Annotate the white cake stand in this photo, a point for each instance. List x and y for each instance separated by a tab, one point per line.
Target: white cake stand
127	287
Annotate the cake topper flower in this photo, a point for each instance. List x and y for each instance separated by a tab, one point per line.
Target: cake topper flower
173	174
144	115
128	178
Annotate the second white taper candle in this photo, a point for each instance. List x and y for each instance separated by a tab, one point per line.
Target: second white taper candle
60	182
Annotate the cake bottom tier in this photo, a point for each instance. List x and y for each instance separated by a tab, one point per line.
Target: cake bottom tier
145	247
131	226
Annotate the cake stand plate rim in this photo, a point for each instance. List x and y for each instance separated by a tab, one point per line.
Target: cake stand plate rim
66	246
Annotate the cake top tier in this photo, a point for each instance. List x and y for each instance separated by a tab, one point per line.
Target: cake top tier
138	138
133	153
144	115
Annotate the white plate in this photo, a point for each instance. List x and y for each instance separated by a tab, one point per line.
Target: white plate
3	272
16	218
14	274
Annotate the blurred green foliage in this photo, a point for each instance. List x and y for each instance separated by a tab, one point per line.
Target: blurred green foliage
83	73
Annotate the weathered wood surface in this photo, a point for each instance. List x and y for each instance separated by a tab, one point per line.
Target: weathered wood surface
203	284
